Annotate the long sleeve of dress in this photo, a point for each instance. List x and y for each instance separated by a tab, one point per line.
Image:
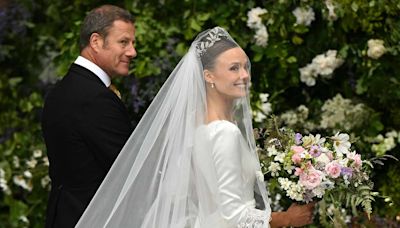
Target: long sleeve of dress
235	178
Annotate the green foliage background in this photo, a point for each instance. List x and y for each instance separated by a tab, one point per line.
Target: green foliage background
38	42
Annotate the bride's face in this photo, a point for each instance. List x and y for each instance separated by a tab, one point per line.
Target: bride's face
230	74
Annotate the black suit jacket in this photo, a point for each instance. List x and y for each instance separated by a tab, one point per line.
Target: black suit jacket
85	125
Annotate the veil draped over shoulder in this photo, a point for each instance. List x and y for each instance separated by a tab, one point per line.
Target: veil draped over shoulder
152	183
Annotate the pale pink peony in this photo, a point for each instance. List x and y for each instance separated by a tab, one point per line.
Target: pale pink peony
333	169
298	171
297	149
311	179
330	155
296	158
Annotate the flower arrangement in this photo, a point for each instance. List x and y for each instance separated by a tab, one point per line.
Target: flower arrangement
311	167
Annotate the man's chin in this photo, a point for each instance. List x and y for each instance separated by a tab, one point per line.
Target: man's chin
123	73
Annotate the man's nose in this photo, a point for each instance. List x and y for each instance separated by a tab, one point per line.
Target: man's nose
131	52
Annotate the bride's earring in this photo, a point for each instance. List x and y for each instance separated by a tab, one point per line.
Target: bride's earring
212	85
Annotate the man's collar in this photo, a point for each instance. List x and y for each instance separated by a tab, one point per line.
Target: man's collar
82	61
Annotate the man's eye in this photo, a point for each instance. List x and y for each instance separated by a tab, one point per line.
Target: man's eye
124	42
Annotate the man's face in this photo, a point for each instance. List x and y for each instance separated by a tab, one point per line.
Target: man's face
117	49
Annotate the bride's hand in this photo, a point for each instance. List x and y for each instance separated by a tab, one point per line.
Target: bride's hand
300	215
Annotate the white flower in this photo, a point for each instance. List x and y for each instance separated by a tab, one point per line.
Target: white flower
295	192
31	163
254	20
290	118
259	117
327	62
261	36
331	10
323	64
28	174
341	143
304	16
266	108
303	110
392	134
319	191
45	181
274	168
308	75
340	113
323	159
330	210
20	181
24	219
264	97
37	153
285	183
45	161
389	143
311	140
3	182
375	48
16	161
272	151
280	157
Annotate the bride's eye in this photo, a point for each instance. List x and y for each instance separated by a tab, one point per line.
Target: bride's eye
234	68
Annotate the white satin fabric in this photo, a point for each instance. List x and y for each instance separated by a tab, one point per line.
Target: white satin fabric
226	172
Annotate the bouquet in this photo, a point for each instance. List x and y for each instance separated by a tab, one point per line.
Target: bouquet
312	167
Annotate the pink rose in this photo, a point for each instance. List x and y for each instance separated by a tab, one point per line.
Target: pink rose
357	160
297	149
311	179
296	159
298	171
333	169
330	155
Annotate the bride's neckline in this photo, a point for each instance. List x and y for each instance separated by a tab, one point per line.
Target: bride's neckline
217	121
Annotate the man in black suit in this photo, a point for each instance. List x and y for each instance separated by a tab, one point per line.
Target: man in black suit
85	124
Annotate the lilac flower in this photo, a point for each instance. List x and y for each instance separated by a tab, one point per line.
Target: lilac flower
297	138
315	151
346	171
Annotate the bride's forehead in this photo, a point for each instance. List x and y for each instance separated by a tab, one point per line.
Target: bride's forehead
234	54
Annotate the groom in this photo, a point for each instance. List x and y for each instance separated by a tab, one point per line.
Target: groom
85	124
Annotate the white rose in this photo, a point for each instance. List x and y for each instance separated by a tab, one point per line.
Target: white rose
254	20
304	16
375	48
323	158
261	36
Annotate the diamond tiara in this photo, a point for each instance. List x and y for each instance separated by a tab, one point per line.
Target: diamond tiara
211	38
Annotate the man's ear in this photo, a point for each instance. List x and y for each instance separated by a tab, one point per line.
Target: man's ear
96	41
208	76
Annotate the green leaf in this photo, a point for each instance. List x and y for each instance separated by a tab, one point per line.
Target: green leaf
14	81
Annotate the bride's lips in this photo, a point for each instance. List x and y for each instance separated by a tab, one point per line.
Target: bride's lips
241	85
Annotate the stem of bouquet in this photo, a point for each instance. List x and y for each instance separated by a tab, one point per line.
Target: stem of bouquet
335	220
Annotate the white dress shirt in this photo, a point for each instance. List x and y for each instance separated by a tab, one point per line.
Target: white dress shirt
82	61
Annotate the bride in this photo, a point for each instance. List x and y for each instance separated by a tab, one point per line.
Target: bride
191	162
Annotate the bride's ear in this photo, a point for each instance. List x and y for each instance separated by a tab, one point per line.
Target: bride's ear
208	76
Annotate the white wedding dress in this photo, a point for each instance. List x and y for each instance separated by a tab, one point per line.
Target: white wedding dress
175	171
226	173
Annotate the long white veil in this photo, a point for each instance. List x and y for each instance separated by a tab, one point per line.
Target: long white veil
151	183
